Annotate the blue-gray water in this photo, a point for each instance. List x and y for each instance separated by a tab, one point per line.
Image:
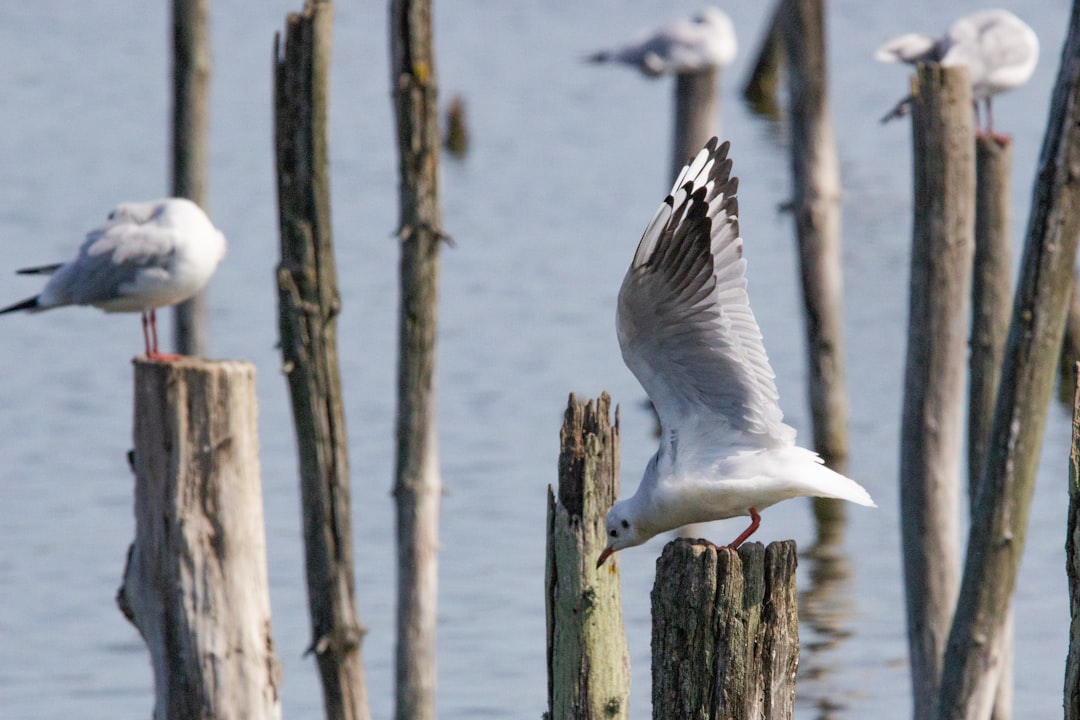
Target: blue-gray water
568	163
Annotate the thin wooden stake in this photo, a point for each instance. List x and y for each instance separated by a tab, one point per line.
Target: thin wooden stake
191	138
195	584
816	201
308	306
990	305
588	660
417	484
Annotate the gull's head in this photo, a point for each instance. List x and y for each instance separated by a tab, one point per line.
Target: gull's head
622	530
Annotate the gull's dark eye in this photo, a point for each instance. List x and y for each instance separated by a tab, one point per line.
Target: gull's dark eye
625	524
614	533
112	215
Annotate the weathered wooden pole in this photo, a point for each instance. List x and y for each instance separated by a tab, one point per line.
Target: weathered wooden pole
587	657
696	110
417	485
991	301
1032	350
816	206
308	307
991	296
934	381
195	584
725	637
190	129
816	174
1072	561
760	91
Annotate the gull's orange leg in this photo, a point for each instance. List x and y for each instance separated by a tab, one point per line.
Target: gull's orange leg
153	353
755	522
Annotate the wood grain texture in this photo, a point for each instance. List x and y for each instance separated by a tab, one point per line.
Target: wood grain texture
725	639
195	584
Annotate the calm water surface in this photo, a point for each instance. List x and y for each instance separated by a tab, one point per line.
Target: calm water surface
568	163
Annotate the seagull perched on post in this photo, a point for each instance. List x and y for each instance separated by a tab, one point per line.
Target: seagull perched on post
145	256
999	50
687	332
703	41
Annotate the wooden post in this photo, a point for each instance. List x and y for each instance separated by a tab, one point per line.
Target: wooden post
991	296
933	416
991	302
696	108
725	638
308	306
195	584
1032	350
760	90
1072	561
816	205
417	485
191	103
587	657
816	174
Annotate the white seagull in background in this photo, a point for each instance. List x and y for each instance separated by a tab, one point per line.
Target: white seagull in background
705	40
146	255
687	332
999	50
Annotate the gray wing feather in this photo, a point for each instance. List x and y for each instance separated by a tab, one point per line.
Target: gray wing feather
684	320
110	263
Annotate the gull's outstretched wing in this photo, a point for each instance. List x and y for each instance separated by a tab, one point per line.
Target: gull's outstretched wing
684	319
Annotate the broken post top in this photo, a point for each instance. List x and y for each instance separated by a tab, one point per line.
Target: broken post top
588	451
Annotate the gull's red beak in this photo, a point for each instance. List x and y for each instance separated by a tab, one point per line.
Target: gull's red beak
604	556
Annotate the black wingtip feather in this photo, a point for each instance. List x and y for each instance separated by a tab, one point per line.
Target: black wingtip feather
27	304
40	270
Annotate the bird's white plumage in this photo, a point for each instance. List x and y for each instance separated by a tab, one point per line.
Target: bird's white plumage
145	256
688	334
705	40
998	49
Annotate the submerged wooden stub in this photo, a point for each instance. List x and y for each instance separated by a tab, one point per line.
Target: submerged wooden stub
760	91
588	660
696	108
932	429
195	584
1072	561
725	637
